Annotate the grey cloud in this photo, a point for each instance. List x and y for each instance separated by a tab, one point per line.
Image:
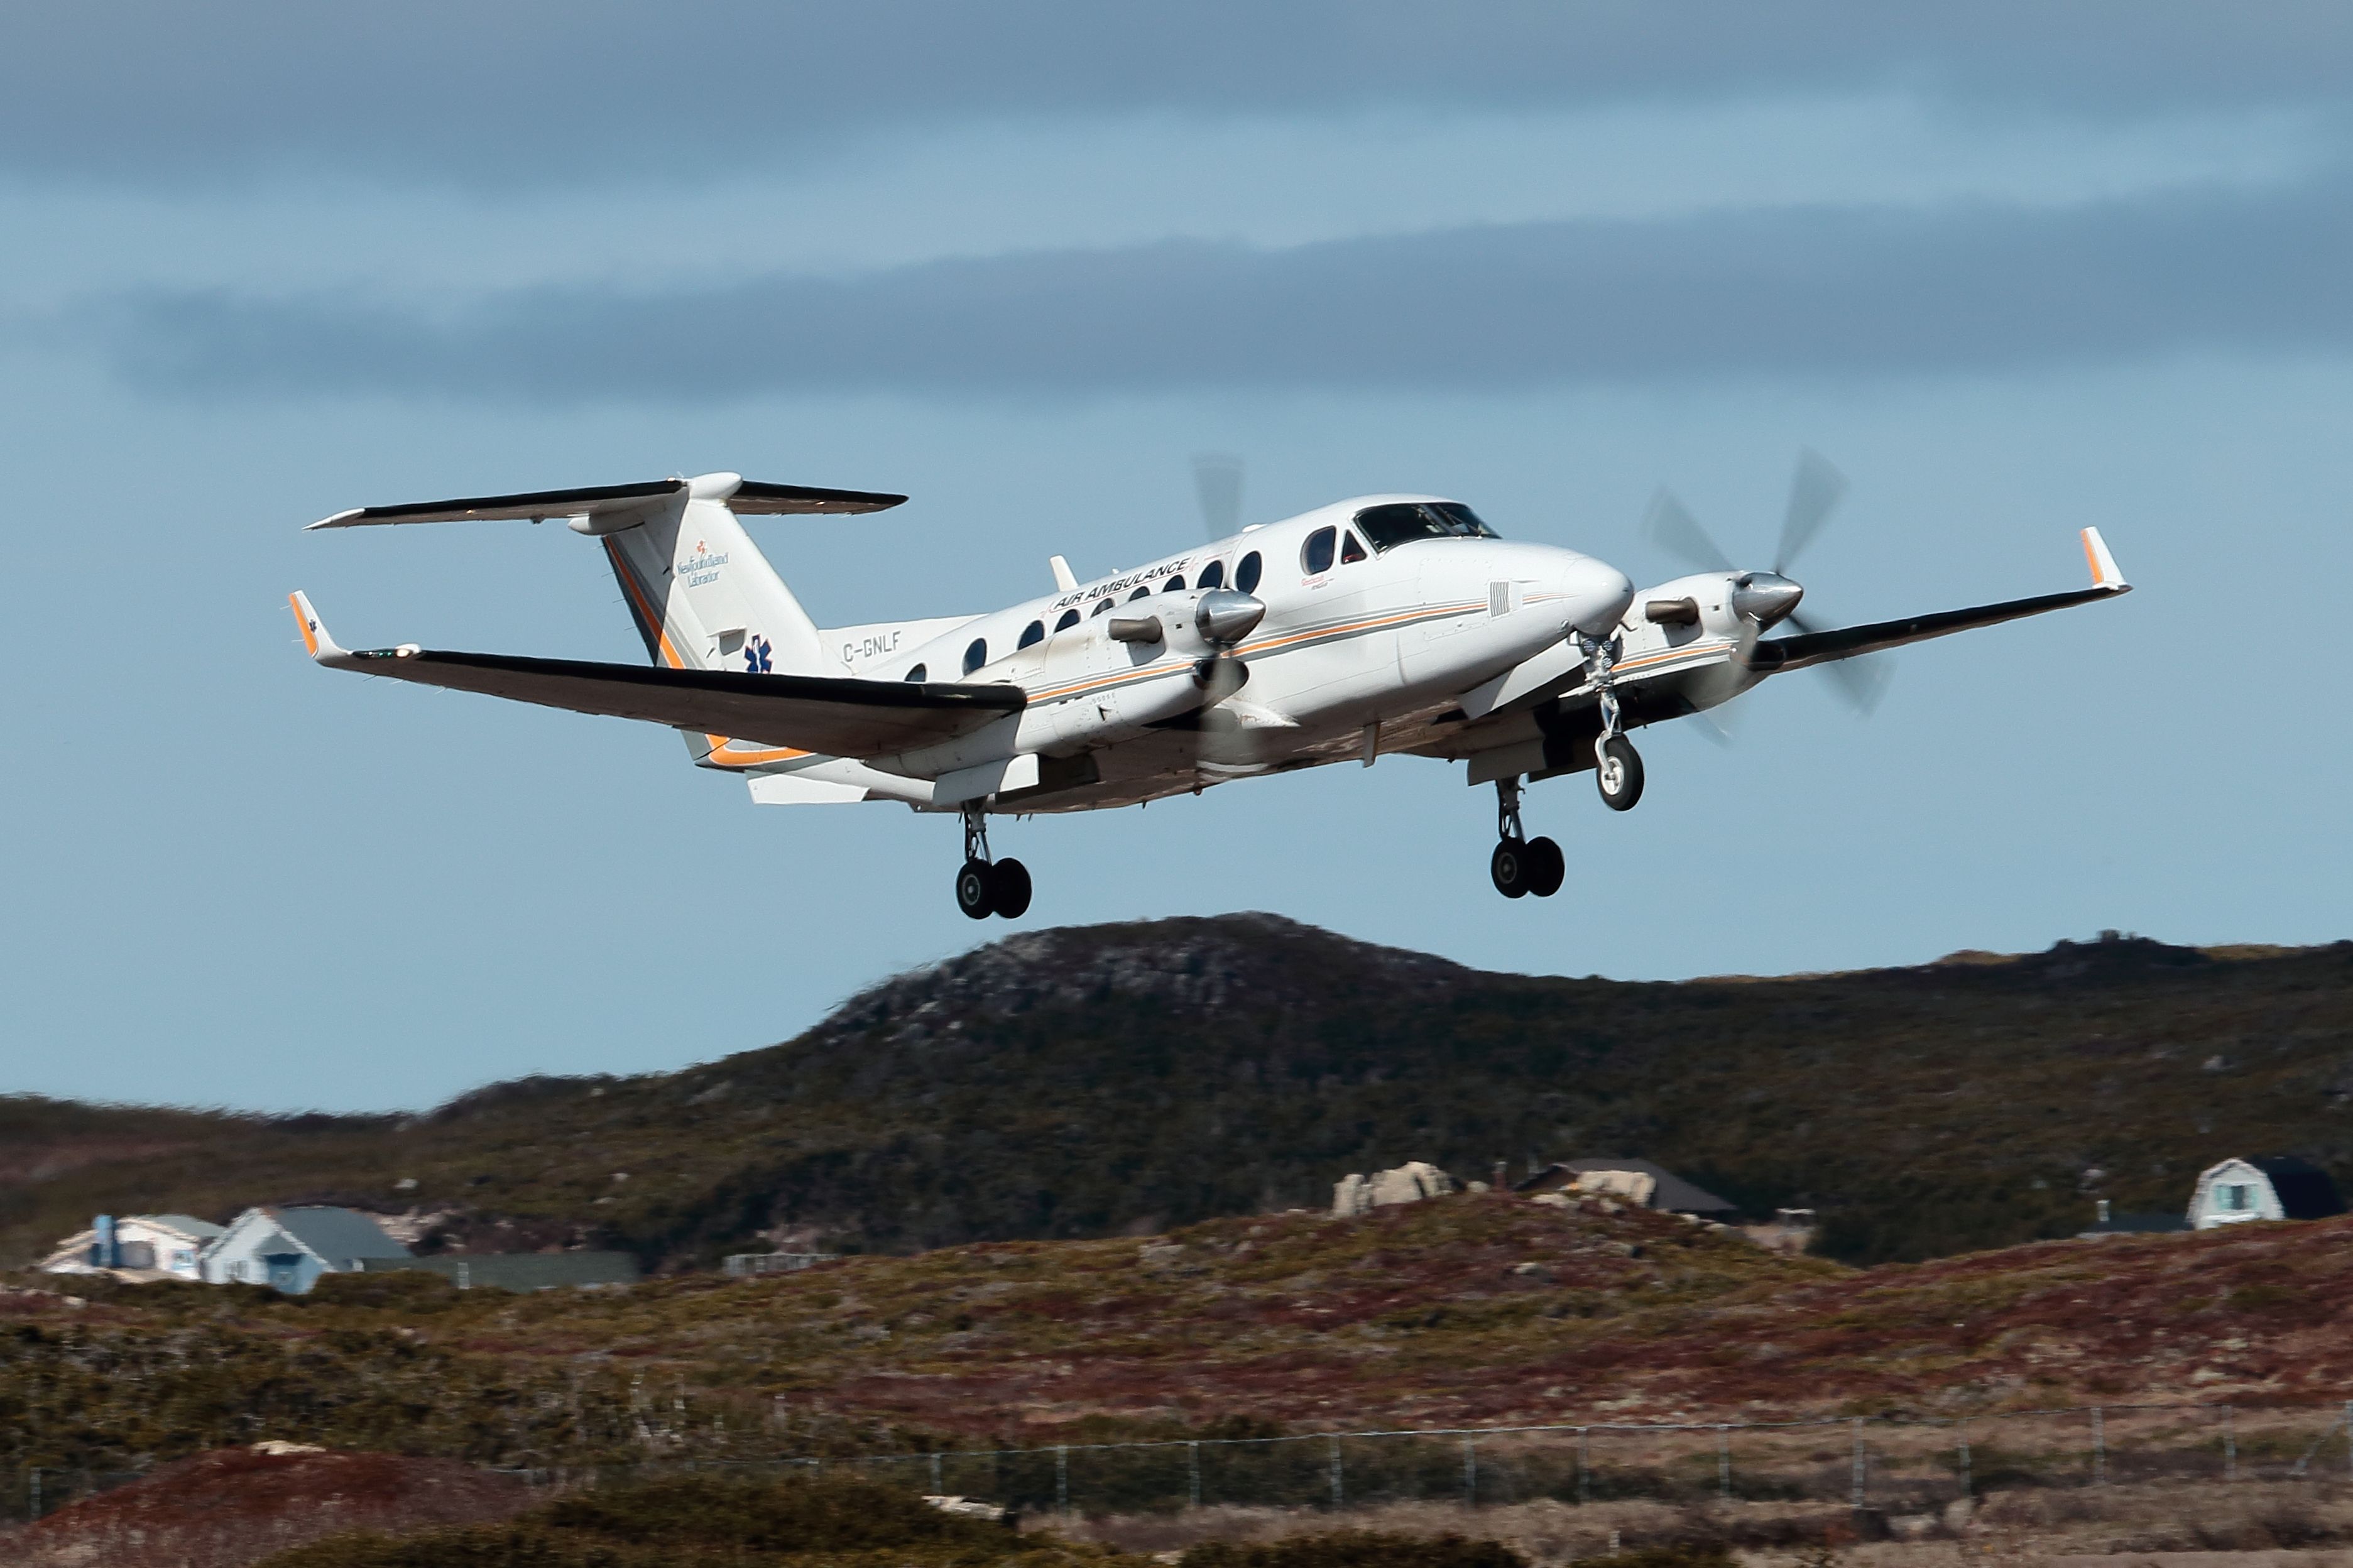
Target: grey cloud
1783	292
156	91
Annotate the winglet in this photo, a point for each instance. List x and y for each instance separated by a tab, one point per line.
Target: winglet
321	647
2103	566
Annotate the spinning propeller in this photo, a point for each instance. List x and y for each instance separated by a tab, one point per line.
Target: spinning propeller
1225	735
1765	599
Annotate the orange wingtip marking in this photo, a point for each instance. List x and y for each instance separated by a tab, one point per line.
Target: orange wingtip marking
2092	558
303	622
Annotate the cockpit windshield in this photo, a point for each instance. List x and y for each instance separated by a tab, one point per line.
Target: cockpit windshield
1403	522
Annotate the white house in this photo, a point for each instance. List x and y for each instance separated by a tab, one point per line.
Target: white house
137	1247
2238	1191
288	1248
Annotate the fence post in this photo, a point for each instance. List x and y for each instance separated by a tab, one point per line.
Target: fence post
1470	1472
2229	1444
1061	1478
1193	1474
1584	1471
1858	1463
1963	1435
1339	1497
1724	1462
937	1488
2099	1447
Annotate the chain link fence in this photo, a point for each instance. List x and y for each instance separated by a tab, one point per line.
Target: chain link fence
1889	1464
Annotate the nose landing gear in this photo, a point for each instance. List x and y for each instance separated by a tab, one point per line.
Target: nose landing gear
985	887
1617	766
1520	865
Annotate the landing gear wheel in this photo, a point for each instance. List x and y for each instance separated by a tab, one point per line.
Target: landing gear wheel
1618	773
1009	883
1546	867
1510	868
975	889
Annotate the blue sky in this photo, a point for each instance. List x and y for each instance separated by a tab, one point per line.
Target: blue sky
2016	270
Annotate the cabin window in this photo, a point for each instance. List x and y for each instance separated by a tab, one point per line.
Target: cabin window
1403	522
1351	548
1246	572
1100	606
1316	555
1035	632
919	675
1070	618
1174	586
1213	575
1141	593
977	655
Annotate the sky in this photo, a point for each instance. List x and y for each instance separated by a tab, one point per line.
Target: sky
2014	269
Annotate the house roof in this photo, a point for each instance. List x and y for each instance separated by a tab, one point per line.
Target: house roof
2305	1190
186	1225
1673	1192
337	1235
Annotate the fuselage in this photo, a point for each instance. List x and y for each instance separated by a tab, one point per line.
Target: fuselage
1377	610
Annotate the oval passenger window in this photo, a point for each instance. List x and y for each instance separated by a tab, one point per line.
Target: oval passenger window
1100	606
977	655
1213	575
1035	632
1316	555
1246	572
1174	586
1070	618
1139	593
919	675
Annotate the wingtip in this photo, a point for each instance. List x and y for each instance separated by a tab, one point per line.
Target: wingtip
2104	572
315	640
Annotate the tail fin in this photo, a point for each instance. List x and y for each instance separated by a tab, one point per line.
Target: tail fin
703	596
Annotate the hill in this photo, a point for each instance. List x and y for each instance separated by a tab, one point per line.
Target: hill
1092	1082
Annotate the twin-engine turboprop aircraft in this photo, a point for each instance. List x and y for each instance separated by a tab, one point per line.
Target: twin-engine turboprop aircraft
1390	624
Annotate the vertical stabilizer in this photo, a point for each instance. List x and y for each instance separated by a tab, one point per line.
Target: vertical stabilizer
703	596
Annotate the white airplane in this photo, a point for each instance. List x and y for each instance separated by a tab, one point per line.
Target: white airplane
1388	624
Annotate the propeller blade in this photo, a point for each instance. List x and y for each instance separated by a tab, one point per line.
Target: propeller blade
1814	493
1674	529
1860	682
1217	482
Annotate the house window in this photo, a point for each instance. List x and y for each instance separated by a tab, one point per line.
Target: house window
2238	1198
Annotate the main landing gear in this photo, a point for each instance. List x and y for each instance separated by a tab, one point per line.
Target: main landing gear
1522	865
985	887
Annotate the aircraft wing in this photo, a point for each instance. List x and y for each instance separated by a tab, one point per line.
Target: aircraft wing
1777	654
837	717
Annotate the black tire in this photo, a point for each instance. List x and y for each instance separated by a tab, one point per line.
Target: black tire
975	889
1509	867
1547	867
1620	785
1010	883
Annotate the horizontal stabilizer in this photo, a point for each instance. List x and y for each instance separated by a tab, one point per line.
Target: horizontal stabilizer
742	496
826	715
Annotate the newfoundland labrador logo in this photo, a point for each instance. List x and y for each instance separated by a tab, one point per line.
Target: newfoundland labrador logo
702	566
